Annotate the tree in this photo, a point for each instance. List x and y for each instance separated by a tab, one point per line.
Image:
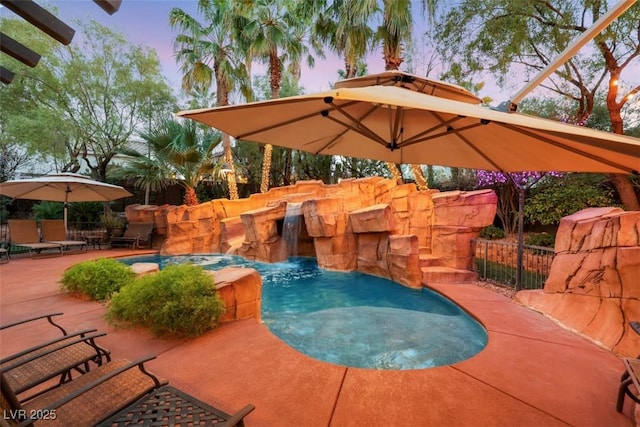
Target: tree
512	37
274	29
23	120
91	97
344	27
212	52
394	33
180	152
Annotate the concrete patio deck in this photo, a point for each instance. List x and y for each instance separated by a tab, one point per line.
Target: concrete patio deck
532	372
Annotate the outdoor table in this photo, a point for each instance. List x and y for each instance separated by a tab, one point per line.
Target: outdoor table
94	239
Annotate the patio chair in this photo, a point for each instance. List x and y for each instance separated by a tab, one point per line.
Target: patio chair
117	393
53	231
137	234
24	233
55	359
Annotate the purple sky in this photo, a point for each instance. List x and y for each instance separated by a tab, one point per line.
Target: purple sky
146	22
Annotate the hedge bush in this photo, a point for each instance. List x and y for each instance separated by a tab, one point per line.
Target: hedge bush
180	300
492	232
541	239
98	278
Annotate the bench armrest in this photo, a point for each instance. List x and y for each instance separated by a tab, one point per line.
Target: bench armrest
31	319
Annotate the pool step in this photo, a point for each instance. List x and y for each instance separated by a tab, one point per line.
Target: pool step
428	260
447	275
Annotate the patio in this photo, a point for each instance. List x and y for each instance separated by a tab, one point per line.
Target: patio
532	371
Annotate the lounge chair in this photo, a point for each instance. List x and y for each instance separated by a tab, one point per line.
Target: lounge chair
53	231
137	234
117	393
56	359
4	252
630	378
24	233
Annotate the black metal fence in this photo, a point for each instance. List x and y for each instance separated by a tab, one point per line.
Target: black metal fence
497	262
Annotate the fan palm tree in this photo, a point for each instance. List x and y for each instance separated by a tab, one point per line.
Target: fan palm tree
178	153
394	33
208	52
274	30
344	27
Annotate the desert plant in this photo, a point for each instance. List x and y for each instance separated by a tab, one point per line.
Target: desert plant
180	300
492	232
111	221
98	278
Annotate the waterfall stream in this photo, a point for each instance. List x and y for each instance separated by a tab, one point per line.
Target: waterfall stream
291	227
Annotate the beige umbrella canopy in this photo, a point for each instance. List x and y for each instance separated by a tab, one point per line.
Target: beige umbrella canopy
412	82
393	124
62	187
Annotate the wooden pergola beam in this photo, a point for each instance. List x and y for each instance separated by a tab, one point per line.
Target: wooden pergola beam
5	75
19	51
109	6
41	18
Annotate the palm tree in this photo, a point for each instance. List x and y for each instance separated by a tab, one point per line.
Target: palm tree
273	29
395	32
344	28
208	52
178	153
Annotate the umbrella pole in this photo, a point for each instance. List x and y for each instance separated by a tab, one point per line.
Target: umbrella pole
66	207
520	237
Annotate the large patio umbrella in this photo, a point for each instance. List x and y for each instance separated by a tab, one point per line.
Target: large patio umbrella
62	187
385	121
392	124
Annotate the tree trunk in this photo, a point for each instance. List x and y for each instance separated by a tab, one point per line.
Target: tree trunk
625	191
230	176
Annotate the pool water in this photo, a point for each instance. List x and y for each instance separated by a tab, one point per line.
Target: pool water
354	319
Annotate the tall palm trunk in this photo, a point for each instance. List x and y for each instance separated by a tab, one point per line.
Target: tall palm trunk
275	79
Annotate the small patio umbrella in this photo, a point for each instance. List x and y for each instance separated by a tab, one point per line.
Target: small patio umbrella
62	187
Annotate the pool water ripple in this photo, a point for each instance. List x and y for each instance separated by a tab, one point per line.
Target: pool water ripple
354	319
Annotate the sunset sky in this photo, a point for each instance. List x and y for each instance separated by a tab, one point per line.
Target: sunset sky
146	22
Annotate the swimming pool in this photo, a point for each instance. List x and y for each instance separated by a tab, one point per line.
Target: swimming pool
354	319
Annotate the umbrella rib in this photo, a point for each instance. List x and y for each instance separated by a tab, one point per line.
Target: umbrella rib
463	138
356	124
366	132
568	148
419	137
284	123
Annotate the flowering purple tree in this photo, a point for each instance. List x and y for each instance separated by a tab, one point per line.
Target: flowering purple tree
507	187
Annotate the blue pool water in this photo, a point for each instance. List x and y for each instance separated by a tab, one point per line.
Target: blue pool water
354	319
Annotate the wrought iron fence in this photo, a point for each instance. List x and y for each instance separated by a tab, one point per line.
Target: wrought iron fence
497	261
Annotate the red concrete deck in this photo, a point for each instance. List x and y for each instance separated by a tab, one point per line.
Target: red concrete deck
532	372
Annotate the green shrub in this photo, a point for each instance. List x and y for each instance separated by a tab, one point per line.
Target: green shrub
48	210
492	233
559	198
541	239
98	278
180	300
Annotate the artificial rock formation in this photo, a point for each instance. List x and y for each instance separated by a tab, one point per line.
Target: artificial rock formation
371	225
594	283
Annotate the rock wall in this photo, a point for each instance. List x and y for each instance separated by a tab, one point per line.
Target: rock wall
594	283
371	225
